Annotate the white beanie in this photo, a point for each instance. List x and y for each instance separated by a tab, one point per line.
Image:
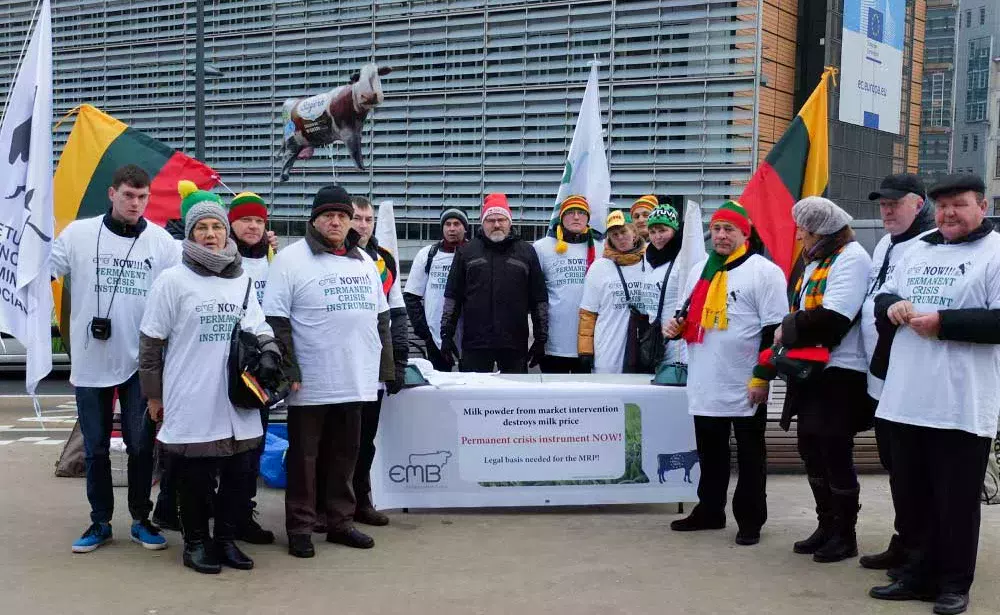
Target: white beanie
820	215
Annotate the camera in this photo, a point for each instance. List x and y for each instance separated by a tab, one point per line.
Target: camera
100	328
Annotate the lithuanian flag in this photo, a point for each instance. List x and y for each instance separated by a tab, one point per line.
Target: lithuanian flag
797	166
97	146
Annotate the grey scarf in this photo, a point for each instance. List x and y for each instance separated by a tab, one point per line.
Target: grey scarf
225	264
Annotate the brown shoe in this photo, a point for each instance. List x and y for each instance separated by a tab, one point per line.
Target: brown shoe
370	516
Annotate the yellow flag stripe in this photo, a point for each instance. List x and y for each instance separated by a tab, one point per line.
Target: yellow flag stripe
814	116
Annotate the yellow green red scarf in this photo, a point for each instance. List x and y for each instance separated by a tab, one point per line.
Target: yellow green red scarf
707	309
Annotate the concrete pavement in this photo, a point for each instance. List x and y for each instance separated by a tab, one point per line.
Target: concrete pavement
601	560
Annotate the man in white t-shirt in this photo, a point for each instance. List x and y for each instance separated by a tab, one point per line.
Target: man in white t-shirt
906	216
111	261
565	254
731	306
941	307
325	302
424	292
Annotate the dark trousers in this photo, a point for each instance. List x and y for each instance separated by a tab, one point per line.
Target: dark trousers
252	477
506	360
830	459
560	365
883	439
939	477
749	499
334	429
95	409
370	411
195	484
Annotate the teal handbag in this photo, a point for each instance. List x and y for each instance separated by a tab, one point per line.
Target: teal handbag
671	374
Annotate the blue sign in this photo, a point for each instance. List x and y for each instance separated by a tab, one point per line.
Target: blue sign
876	24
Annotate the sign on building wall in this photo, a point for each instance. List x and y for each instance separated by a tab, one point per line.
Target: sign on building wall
871	63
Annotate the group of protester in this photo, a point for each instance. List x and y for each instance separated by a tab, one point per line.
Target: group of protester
329	315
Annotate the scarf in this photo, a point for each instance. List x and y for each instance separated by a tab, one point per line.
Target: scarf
826	252
564	238
201	260
259	250
318	244
669	252
708	299
624	259
449	248
385	273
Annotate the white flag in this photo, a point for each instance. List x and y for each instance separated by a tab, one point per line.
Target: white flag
692	243
586	169
26	218
385	230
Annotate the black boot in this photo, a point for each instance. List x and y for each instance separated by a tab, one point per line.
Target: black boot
232	556
843	543
699	520
199	551
200	556
365	513
824	512
892	557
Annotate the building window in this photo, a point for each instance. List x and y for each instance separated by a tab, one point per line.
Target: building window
977	79
982	15
965	143
968	18
975	143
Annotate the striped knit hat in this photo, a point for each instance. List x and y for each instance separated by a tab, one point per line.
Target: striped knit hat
247	204
733	213
648	201
571	203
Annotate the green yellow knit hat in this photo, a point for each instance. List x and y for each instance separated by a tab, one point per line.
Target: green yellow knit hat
191	195
665	215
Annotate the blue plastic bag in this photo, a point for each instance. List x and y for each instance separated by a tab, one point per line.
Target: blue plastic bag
272	462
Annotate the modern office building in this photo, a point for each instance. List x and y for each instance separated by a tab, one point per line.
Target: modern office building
938	107
483	95
978	42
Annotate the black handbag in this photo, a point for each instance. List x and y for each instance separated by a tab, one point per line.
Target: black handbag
246	391
652	346
638	328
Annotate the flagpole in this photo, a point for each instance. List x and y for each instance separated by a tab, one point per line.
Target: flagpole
24	49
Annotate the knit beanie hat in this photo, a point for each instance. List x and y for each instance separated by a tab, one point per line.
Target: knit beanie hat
191	194
574	202
247	204
496	203
665	215
733	213
648	201
205	209
331	198
454	213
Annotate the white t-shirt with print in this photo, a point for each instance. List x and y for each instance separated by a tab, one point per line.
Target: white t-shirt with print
196	314
720	368
845	292
564	276
430	286
257	268
93	277
869	335
603	294
945	384
333	303
676	350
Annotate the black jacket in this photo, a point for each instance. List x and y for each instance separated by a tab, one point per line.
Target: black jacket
496	286
397	315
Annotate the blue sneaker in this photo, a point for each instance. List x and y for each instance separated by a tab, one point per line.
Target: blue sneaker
148	535
95	536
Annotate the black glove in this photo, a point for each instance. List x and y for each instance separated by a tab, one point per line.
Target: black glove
536	353
269	368
448	350
587	363
396	385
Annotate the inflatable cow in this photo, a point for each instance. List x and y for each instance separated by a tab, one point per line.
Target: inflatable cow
336	115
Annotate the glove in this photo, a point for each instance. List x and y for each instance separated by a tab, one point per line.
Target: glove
396	384
448	350
587	363
536	353
269	368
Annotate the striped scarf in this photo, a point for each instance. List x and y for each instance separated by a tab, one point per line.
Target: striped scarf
815	288
708	299
385	275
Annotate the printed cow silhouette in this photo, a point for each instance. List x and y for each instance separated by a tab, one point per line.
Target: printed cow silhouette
675	461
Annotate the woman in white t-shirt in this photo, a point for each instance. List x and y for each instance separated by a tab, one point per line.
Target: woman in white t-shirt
663	283
612	290
832	404
184	349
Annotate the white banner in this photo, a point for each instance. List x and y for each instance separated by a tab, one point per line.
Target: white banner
531	444
26	218
871	63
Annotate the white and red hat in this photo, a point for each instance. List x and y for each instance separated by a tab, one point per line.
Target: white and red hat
496	204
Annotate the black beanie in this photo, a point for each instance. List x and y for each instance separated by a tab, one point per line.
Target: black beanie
331	198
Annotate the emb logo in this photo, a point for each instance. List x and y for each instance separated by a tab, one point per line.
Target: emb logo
422	468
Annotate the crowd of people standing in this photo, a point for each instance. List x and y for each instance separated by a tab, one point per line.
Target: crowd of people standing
854	337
